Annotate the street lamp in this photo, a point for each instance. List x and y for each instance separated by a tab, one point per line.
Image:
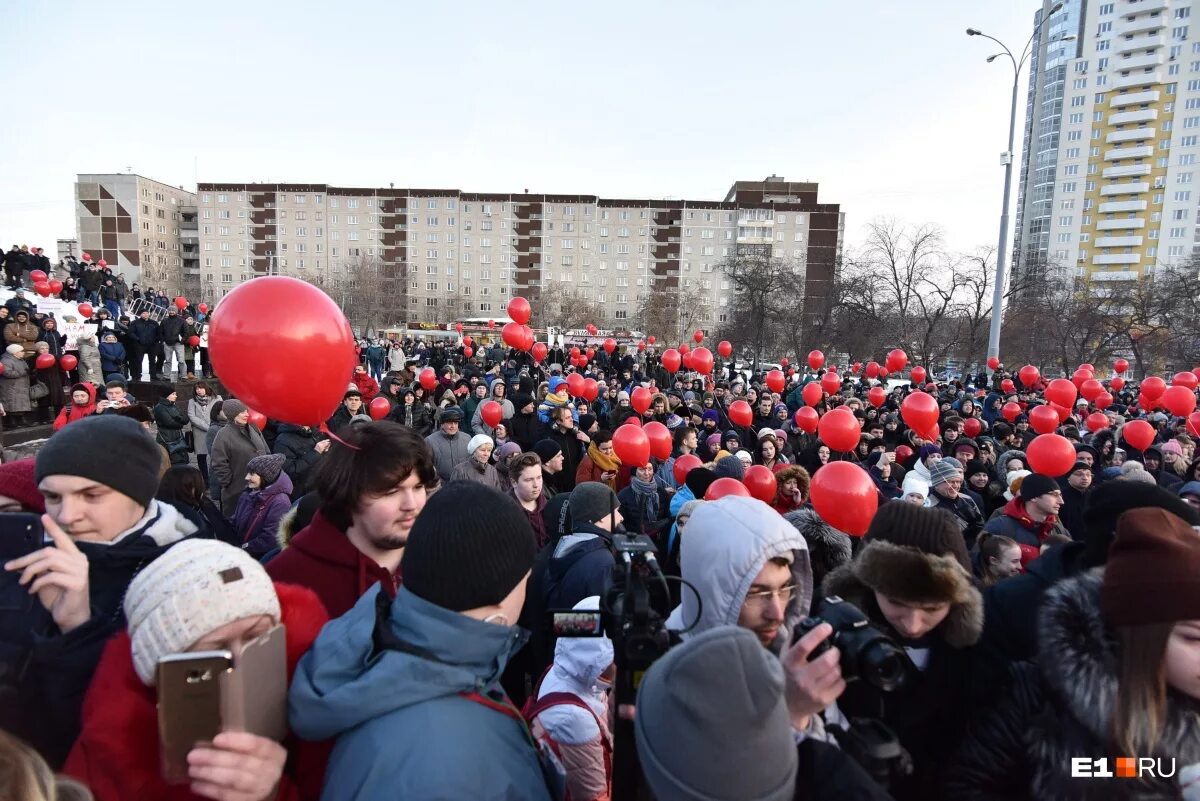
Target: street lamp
1006	159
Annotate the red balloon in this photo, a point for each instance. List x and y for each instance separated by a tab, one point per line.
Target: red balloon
684	348
194	340
55	286
806	418
641	345
897	360
519	310
856	367
660	440
1096	421
631	445
783	362
490	412
698	337
1091	389
640	399
1193	424
740	413
203	308
1185	379
1138	433
491	324
812	393
774	380
42	288
575	385
1179	400
882	374
725	348
1153	387
633	420
102	263
1146	403
972	427
1103	401
876	396
1008	386
1043	419
513	335
37	276
68	362
726	486
610	345
1029	375
872	369
1117	384
1062	392
458	327
428	379
468	352
539	352
87	256
1121	365
760	481
687	361
379	407
816	359
651	339
591	329
684	465
920	411
468	342
590	353
845	497
257	419
1051	455
591	390
527	338
702	361
918	375
831	383
903	453
1010	411
671	360
993	363
839	429
86	309
181	303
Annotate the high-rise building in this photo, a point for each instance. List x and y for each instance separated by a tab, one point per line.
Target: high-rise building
1108	186
133	223
445	253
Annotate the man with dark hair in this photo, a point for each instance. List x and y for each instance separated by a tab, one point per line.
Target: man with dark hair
373	484
145	339
573	444
525	475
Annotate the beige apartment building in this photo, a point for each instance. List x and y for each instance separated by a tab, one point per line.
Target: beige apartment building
445	254
134	224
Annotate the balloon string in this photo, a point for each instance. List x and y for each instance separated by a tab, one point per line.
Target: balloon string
338	439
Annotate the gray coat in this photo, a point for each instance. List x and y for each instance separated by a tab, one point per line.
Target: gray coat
232	450
89	360
14	385
448	452
198	413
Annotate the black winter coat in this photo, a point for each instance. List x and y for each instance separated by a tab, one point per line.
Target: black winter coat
172	329
296	445
1060	709
967	514
415	415
145	332
170	420
572	450
525	430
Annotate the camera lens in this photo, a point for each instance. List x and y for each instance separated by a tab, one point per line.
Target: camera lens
884	665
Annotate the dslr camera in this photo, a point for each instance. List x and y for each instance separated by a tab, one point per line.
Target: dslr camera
867	653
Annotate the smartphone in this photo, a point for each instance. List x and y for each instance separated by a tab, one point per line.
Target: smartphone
189	706
21	534
256	697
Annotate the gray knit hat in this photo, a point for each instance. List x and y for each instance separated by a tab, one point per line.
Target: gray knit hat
267	466
712	723
730	467
232	408
591	501
945	469
109	449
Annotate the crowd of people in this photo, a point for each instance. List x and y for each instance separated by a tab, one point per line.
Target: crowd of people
993	626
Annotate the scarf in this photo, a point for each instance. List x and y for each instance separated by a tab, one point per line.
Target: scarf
608	464
647	492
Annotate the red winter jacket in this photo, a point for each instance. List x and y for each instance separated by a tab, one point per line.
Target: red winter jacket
320	557
368	386
70	413
1017	525
117	754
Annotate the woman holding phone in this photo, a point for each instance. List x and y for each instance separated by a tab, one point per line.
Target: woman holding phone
200	596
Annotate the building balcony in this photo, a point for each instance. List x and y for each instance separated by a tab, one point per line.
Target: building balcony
1138	61
1138	78
1145	41
1134	98
1121	224
1114	275
1143	22
1128	7
1126	188
1133	117
1119	242
1139	152
1117	258
1120	206
1132	135
1126	170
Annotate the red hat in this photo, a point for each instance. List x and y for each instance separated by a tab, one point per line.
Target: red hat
1153	570
18	481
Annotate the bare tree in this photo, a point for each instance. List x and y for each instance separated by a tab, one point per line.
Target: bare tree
1155	317
763	289
560	306
670	316
369	291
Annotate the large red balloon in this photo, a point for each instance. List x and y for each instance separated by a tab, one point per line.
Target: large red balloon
1011	411
37	276
468	352
920	411
918	375
55	286
897	360
725	348
831	382
725	486
1051	455
684	465
872	369
651	339
903	454
1179	400
1080	376
1193	424
428	379
639	399
379	407
519	311
1096	421
194	340
839	429
539	352
660	440
702	361
684	348
1091	389
1008	386
42	288
806	418
993	363
68	362
490	412
1138	433
181	303
1043	419
591	329
1153	387
257	419
527	338
1121	365
876	396
698	337
815	359
86	309
631	445
1062	392
856	367
1117	384
283	347
1185	379
575	385
812	393
610	345
972	427
512	335
1029	375
203	308
740	413
761	483
671	360
774	380
845	497
1103	401
102	263
591	389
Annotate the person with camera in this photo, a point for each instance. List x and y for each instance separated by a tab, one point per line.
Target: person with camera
202	595
912	581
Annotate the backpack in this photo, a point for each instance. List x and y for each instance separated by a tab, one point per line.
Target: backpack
535	706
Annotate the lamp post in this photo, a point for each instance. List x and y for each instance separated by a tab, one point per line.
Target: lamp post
1006	158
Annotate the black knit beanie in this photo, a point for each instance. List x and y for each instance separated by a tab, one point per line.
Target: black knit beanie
109	449
1101	510
1035	485
931	531
469	547
698	481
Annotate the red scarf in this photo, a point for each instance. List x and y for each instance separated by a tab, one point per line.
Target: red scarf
1016	510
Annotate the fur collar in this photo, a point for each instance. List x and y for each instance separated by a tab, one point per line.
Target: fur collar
904	572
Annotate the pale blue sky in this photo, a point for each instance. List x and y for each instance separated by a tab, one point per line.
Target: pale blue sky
888	104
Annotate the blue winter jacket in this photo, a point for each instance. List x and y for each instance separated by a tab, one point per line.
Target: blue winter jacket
403	728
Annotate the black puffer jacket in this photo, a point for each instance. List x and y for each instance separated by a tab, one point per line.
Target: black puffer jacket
1060	709
297	446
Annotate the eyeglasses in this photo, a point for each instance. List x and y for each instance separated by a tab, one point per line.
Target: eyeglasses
764	597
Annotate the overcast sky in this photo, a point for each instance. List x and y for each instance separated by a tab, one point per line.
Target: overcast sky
886	103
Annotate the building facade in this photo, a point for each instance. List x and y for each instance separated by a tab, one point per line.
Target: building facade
1123	198
133	223
434	255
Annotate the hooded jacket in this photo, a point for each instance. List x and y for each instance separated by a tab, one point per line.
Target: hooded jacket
258	513
403	726
367	385
70	413
1060	708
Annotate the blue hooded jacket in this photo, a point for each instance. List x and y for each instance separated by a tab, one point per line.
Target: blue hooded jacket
403	730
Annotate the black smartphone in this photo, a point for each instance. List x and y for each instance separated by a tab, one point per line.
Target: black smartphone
21	534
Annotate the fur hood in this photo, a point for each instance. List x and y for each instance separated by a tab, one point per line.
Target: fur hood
828	548
904	572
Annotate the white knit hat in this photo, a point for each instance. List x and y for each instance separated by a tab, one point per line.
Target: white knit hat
194	588
478	441
1011	478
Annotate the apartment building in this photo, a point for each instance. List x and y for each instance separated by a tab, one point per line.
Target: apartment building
1124	197
133	223
448	253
